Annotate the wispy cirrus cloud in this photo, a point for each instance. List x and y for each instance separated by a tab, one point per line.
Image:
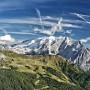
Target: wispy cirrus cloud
47	21
19	4
85	40
26	21
10	5
82	17
71	25
24	33
53	23
36	21
3	30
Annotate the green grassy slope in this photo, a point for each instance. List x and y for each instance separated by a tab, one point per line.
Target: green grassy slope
20	72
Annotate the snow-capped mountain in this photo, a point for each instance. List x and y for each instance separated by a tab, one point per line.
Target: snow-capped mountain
5	47
68	48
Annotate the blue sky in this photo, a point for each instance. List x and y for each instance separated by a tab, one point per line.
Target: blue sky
20	18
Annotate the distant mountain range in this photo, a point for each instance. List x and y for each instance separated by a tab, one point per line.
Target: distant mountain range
68	48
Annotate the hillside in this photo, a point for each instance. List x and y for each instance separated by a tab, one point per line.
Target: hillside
40	72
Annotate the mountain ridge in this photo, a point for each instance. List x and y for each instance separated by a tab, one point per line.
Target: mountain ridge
69	48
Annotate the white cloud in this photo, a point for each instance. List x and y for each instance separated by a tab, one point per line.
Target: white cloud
71	25
85	40
45	31
68	31
50	18
7	38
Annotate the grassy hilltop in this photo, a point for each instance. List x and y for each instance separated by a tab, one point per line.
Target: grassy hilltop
45	72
